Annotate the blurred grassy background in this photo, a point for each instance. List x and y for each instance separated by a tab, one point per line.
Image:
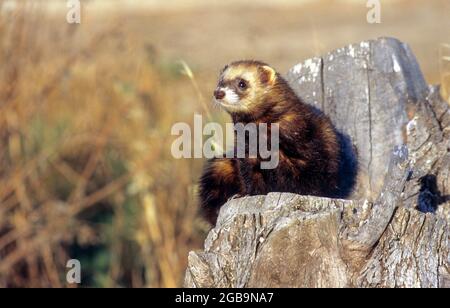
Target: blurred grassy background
86	111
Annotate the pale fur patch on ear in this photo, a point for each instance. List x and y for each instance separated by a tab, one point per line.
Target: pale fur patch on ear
268	74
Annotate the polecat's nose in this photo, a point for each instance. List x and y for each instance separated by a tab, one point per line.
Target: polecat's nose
219	94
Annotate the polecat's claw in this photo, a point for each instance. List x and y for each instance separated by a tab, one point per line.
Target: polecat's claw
236	196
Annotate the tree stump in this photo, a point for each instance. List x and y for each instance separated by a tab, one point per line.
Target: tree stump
394	229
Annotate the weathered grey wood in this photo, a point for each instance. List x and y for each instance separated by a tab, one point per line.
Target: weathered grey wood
363	232
255	235
366	89
395	230
413	252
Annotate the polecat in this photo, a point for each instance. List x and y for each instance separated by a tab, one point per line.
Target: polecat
309	149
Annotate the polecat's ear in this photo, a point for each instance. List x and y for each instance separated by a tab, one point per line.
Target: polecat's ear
267	74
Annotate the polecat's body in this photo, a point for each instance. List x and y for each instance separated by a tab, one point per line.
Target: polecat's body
309	150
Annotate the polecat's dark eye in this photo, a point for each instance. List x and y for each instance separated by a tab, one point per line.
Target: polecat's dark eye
242	84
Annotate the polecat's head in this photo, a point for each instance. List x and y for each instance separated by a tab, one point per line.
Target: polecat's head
243	84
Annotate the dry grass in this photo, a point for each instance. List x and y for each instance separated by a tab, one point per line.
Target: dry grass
85	164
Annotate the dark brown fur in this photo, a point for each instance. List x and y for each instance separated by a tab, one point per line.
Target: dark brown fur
309	147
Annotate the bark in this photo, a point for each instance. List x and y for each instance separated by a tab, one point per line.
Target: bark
393	231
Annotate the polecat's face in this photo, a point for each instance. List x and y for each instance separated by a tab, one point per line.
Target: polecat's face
243	84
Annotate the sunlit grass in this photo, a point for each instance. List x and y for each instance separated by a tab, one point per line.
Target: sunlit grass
85	164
